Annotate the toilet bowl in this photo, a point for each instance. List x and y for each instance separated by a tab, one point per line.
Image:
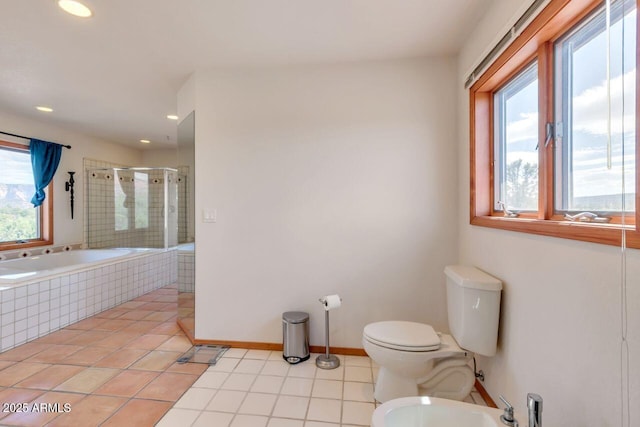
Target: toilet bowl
415	360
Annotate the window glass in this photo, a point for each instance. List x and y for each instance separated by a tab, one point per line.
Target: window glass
595	113
142	199
515	142
121	209
19	220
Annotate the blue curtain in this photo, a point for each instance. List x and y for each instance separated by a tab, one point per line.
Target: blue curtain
45	158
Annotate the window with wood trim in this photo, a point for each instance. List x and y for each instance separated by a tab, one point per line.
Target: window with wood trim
553	127
21	225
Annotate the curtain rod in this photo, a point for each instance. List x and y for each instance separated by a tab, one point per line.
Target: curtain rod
26	137
514	31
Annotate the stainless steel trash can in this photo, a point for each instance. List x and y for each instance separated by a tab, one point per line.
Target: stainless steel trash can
295	336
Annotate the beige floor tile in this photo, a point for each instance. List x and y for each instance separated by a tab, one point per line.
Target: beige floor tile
161	316
50	377
148	341
358	413
138	412
127	383
156	360
88	338
167	328
141	326
56	353
40	418
59	337
121	339
16	395
167	386
113	325
18	372
88	356
91	411
176	343
88	380
122	358
6	364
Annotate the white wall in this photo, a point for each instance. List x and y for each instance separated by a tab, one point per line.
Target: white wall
333	179
66	230
560	333
163	158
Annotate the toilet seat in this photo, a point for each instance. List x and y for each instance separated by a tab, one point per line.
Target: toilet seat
402	335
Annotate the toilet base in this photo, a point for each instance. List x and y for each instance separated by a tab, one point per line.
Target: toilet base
453	382
450	379
391	386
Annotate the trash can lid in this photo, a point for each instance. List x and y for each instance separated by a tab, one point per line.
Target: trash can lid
295	316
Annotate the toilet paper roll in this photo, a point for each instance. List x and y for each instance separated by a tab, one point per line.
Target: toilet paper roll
331	302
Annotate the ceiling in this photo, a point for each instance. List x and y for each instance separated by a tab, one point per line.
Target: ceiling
116	75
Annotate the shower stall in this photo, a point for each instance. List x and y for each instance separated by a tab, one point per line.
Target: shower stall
132	207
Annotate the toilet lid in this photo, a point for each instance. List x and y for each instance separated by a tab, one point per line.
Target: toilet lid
401	335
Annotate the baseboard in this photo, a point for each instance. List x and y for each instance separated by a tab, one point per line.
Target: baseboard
346	351
488	400
253	345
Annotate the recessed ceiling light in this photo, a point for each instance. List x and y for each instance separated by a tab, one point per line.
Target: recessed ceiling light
44	109
172	117
75	8
145	141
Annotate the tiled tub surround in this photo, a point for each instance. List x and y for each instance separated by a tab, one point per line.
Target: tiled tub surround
186	268
30	310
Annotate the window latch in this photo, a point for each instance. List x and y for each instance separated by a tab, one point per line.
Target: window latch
549	135
549	132
587	217
507	213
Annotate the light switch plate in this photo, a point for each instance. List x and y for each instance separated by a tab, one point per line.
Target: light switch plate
209	215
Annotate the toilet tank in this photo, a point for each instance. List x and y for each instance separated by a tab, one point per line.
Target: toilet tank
473	305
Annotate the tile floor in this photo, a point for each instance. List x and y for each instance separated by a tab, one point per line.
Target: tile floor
116	368
256	388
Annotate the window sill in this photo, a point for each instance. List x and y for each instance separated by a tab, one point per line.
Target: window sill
7	246
607	234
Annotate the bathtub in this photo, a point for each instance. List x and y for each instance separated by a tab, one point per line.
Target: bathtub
187	247
434	412
17	271
186	267
42	294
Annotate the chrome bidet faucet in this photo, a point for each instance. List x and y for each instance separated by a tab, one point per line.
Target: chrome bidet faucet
534	405
507	418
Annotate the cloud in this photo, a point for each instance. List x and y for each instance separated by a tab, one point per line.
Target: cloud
591	110
524	129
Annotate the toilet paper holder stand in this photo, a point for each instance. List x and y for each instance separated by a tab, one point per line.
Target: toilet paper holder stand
326	360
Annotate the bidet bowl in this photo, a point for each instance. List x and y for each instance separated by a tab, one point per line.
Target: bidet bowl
433	412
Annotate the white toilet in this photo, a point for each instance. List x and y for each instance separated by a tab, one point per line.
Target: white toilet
415	360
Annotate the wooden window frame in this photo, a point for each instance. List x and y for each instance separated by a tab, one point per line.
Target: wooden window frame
46	213
536	42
